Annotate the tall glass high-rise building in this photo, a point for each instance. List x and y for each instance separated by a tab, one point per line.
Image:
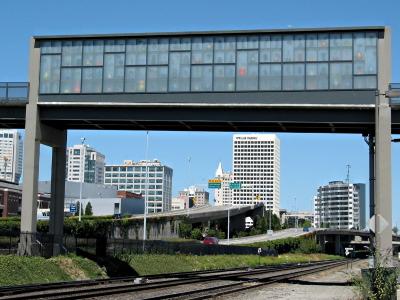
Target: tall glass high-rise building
11	152
256	165
149	178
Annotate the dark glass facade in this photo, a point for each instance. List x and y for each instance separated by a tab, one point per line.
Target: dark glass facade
226	63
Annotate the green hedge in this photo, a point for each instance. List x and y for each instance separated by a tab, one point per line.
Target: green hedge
89	226
298	244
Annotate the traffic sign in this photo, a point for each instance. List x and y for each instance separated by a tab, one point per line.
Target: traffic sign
348	250
72	208
235	185
214	183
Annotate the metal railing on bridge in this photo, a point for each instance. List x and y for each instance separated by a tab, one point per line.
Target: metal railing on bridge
14	91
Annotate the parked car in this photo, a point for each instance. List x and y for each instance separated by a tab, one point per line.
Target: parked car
210	240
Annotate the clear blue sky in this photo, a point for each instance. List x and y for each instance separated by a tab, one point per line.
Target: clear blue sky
307	160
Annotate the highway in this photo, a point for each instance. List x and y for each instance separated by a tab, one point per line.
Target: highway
281	234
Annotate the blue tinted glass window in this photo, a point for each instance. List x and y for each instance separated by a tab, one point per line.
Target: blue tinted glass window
202	50
136	52
201	78
50	74
70	80
270	77
317	76
157	52
157	79
50	47
365	53
72	53
224	50
93	53
135	79
179	44
341	46
293	47
92	79
113	73
365	82
179	72
293	76
247	42
114	46
271	48
341	76
224	78
247	70
317	47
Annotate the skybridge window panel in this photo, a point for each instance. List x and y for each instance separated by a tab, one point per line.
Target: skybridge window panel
293	77
365	82
317	47
113	80
136	52
224	78
92	79
135	79
50	47
247	42
224	50
317	76
50	74
341	46
365	53
270	77
201	78
157	51
70	80
247	70
202	50
72	53
179	72
114	46
293	48
93	53
179	44
157	79
270	48
341	76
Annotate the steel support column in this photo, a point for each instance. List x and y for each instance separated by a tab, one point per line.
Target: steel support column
371	146
56	223
383	182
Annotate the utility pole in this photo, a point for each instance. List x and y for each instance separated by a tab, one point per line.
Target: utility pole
83	154
146	192
229	221
348	187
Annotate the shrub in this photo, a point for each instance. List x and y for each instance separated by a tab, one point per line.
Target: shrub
196	234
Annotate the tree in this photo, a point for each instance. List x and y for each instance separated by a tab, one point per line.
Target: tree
78	207
395	230
88	209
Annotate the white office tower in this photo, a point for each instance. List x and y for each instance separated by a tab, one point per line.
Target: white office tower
85	164
337	205
256	165
194	196
11	152
143	177
223	196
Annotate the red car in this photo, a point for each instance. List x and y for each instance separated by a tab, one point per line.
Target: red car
209	240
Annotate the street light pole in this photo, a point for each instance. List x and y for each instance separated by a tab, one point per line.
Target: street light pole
229	221
82	178
146	192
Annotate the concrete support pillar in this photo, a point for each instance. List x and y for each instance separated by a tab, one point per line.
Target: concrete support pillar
383	181
56	223
371	144
28	244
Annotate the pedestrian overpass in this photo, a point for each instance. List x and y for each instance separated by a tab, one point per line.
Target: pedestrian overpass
294	80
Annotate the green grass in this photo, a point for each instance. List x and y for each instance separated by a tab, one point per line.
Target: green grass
16	270
148	264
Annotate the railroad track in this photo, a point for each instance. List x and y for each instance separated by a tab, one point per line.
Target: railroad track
239	279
